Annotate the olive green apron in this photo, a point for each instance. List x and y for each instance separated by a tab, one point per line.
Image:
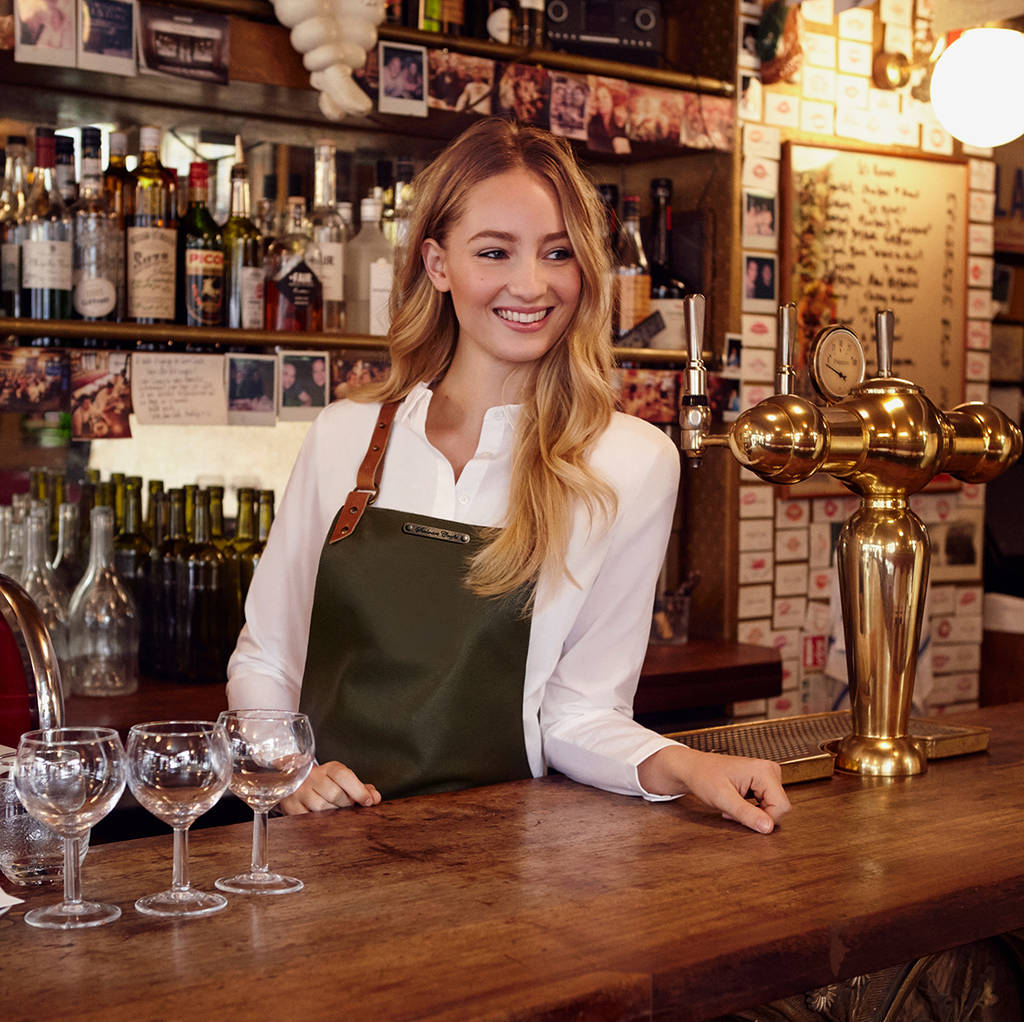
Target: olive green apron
411	680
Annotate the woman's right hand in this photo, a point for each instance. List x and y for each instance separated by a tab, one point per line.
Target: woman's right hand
329	786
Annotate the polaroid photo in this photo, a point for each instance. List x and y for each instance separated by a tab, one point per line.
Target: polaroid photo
523	93
179	43
957	546
351	370
302	384
101	395
44	32
732	356
760	282
402	79
723	397
459	82
250	387
760	219
607	115
655	115
366	77
747	54
33	380
106	40
649	394
568	105
751	102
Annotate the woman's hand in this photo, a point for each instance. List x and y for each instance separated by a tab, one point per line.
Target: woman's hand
329	786
723	782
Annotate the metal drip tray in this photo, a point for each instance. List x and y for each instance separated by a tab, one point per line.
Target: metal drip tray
800	744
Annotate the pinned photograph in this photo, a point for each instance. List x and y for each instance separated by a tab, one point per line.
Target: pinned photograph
180	43
367	77
459	82
649	394
106	38
760	220
655	115
250	389
760	282
101	395
44	32
732	357
402	79
351	370
524	94
568	105
608	116
302	385
33	380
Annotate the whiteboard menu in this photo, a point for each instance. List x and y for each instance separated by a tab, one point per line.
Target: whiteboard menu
869	231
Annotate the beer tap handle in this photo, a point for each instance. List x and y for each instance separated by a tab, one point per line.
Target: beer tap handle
885	327
694	414
785	374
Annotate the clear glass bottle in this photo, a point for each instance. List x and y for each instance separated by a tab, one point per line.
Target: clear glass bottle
95	269
369	267
243	254
68	563
330	236
204	601
41	582
117	180
131	562
12	564
12	210
266	212
631	284
200	256
45	233
294	292
151	236
103	624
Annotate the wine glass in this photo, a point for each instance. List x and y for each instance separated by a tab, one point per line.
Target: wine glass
178	769
69	778
272	753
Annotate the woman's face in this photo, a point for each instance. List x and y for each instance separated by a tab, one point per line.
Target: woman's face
510	269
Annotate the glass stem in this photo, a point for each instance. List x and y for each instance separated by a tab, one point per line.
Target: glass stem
72	874
259	843
180	880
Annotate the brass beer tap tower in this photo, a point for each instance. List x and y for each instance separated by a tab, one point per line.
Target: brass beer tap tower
884	440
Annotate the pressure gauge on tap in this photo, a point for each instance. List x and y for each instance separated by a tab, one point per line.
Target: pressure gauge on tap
836	362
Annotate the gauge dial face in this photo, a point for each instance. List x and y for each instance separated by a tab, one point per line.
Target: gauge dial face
836	362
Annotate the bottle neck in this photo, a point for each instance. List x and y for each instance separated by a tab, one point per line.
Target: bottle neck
198	195
67	531
36	548
176	526
202	522
240	205
92	180
266	516
246	527
101	544
325	182
132	512
216	515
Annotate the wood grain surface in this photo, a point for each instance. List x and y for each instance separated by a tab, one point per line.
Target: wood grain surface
547	900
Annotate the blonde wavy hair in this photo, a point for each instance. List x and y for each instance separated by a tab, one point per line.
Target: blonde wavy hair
570	401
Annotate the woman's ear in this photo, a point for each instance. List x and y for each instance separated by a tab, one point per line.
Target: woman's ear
435	264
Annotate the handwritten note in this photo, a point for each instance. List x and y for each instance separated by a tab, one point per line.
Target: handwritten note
180	390
881	232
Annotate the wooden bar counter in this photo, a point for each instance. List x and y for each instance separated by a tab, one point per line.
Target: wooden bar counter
547	900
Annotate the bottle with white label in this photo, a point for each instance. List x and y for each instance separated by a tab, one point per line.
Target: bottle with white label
330	235
45	240
243	254
369	269
294	293
12	209
152	236
95	268
200	256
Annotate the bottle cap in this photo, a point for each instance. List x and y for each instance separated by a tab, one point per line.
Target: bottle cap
118	143
370	209
91	138
149	139
65	145
198	175
45	147
16	140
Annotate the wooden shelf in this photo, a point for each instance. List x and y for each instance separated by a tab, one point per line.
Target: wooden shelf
117	334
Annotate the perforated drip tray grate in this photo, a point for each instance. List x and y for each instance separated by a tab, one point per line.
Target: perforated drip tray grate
798	743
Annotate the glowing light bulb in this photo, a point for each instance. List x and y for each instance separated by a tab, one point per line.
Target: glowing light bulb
976	87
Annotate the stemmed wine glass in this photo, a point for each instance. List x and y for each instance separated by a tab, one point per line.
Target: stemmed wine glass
272	753
178	769
69	778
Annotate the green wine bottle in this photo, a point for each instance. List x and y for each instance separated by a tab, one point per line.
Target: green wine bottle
200	256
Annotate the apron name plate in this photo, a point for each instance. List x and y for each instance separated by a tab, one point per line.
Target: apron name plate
430	532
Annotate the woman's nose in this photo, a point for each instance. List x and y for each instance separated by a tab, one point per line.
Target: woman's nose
526	280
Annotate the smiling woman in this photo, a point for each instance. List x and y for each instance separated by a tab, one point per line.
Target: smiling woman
488	615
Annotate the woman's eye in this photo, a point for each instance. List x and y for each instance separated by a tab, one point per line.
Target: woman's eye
492	253
560	255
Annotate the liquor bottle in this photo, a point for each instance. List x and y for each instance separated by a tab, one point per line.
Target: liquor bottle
103	625
64	168
453	17
245	547
42	584
190	490
243	254
502	19
116	501
151	526
12	209
329	235
265	515
203	594
530	24
151	237
200	256
12	563
267	221
369	268
217	537
294	293
429	16
95	269
631	278
45	233
68	563
163	581
86	502
117	191
131	562
667	291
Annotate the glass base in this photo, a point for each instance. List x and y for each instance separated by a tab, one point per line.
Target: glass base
181	903
259	883
72	915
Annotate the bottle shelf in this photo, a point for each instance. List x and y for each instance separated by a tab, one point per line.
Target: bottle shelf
171	333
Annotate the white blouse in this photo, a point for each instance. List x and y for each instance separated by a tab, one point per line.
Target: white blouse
587	640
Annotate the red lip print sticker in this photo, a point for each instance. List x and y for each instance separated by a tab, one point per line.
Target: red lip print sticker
784	107
759	328
794	513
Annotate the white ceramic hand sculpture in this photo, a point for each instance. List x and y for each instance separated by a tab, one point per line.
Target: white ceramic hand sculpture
333	37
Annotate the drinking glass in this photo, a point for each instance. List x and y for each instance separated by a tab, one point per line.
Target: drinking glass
272	754
69	778
178	769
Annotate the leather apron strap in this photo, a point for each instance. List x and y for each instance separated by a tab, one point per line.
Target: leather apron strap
412	680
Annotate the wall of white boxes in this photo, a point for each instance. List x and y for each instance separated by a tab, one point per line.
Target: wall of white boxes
787	595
